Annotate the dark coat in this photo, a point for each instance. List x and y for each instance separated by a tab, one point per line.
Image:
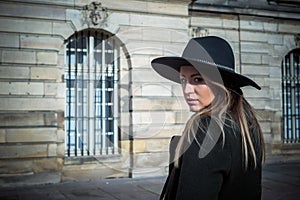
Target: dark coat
220	175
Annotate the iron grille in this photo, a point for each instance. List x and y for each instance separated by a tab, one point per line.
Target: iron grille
291	97
92	110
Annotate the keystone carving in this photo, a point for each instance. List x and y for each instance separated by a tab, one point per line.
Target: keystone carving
95	13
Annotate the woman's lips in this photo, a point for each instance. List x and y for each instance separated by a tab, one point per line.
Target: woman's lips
191	101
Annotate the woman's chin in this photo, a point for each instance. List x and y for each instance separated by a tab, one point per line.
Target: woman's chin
194	108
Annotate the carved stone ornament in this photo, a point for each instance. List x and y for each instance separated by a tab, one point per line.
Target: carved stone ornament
95	13
198	32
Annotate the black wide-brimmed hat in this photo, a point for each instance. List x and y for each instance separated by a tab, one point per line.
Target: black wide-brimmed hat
211	56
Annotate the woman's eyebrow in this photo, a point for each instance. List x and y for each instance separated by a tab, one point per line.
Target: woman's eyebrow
193	75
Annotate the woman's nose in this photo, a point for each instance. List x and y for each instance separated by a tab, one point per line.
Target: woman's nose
188	88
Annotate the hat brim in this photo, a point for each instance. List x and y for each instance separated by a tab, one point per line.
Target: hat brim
169	68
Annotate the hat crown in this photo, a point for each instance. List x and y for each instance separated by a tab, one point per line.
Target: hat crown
210	49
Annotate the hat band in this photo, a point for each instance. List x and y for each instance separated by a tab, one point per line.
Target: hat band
209	62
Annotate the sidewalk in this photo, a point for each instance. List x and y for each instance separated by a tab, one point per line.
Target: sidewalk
281	181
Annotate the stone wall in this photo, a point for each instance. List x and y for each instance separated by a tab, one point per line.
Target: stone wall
32	88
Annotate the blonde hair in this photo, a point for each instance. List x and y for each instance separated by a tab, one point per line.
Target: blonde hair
233	107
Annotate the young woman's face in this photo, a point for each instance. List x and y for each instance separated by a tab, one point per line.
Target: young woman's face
196	93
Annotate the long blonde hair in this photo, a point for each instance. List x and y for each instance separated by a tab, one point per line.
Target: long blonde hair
230	106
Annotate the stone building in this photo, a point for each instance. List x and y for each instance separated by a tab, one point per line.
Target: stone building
79	100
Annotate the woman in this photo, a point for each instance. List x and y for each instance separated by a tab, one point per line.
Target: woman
220	152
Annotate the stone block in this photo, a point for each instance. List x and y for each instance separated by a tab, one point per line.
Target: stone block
28	119
61	136
254	47
251	58
45	165
157	131
158	104
179	36
120	19
41	42
2	136
15	166
44	73
168	8
251	24
230	23
270	26
63	29
139	146
140	61
18	180
157	145
30	104
258	103
60	150
29	11
52	150
153	117
254	36
22	88
156	34
149	172
22	25
206	22
23	151
31	135
47	58
275	72
268	138
275	39
261	70
113	167
156	159
129	34
167	22
182	116
172	49
249	91
145	48
13	72
18	56
147	76
292	28
9	40
156	90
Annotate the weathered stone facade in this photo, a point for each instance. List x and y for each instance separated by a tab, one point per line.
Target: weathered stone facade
32	85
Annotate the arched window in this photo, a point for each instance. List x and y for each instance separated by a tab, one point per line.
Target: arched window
291	97
92	110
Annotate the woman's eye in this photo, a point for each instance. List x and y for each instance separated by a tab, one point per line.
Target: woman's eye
183	81
198	80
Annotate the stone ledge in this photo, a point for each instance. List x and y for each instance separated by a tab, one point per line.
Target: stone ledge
15	180
282	158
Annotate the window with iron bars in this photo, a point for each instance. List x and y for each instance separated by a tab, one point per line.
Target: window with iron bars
291	97
92	109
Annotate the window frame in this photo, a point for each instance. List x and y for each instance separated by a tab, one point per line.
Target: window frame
92	64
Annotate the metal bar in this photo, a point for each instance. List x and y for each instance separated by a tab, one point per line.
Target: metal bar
283	85
103	66
297	98
82	92
97	98
75	106
293	120
69	99
115	99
